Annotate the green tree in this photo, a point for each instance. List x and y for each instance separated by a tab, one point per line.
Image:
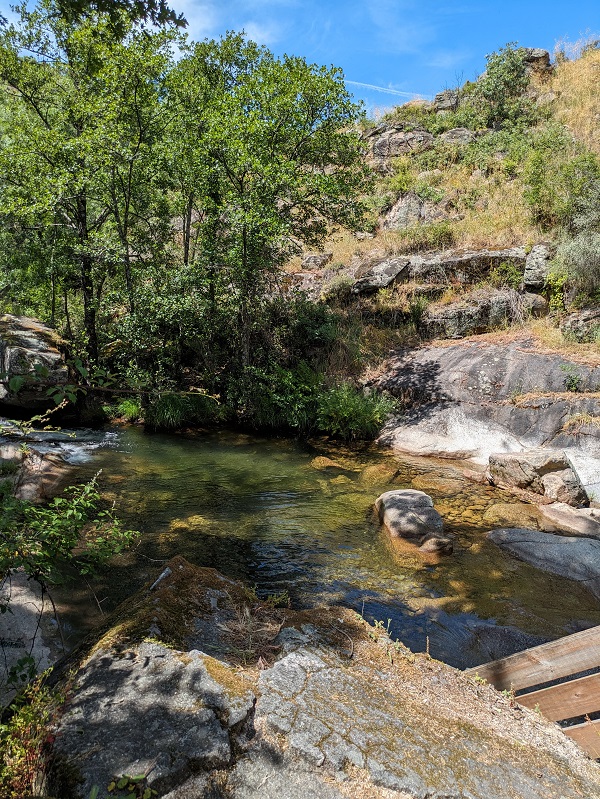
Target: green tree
285	165
82	117
500	91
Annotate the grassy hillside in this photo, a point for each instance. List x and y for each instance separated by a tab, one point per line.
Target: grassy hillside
513	184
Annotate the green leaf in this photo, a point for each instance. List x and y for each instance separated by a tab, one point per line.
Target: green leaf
16	383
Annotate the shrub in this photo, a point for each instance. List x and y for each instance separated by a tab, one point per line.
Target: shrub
506	275
435	236
556	283
174	410
129	409
580	260
348	413
337	290
276	399
500	92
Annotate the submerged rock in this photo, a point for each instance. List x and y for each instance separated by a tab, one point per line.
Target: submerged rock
408	513
568	556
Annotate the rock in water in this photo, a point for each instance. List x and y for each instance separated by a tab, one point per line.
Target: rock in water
568	556
410	514
543	471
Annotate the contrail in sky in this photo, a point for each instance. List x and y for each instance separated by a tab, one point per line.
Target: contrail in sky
384	89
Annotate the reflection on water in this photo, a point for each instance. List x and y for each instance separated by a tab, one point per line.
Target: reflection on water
265	511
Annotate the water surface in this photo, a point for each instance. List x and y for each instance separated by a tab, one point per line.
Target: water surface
274	513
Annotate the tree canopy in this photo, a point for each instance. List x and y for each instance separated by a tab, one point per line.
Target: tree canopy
148	203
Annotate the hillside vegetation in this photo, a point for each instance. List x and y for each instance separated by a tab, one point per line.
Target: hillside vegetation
155	209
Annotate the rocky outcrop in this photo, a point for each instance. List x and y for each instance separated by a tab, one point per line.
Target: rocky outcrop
583	522
537	267
411	210
480	311
316	260
474	398
410	514
582	326
458	136
446	100
381	275
568	556
406	211
536	59
33	354
465	267
336	710
543	471
390	141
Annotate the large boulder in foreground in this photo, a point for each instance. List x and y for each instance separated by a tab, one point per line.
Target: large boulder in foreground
568	556
334	710
543	471
408	513
26	344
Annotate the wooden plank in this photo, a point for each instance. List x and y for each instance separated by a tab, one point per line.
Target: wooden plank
587	736
568	655
566	700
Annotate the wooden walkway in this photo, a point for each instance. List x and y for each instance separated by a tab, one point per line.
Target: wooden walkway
574	697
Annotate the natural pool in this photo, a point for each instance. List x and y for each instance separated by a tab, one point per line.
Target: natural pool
278	515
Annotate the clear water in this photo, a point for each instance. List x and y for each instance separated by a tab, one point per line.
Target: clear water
264	511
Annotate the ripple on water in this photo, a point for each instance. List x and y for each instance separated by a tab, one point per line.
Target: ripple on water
265	511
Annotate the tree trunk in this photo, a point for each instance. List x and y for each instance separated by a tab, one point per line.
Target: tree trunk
89	308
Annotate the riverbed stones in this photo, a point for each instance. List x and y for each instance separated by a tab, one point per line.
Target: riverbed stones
407	513
568	556
543	471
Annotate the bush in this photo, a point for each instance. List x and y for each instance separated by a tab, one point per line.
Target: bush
580	260
506	275
276	399
348	413
174	410
500	92
129	409
435	236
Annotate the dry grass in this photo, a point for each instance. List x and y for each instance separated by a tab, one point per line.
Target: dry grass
541	335
503	222
577	103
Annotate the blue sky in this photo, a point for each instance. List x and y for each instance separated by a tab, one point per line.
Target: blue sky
402	45
405	46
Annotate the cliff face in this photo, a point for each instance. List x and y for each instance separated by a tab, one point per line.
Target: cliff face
247	699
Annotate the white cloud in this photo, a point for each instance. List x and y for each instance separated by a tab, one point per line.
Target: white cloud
447	59
267	32
202	17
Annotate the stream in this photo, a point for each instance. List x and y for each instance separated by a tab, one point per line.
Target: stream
284	515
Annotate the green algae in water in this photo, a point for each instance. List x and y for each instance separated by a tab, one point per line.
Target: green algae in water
282	515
